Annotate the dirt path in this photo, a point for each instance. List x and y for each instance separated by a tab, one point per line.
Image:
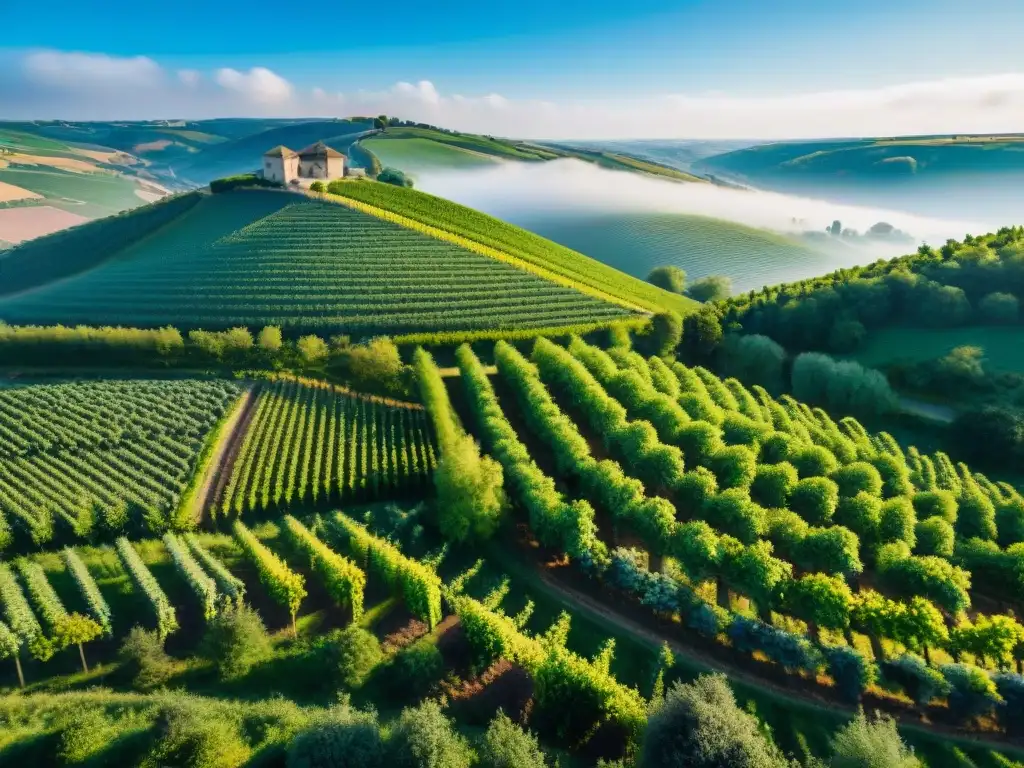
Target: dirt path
223	458
578	601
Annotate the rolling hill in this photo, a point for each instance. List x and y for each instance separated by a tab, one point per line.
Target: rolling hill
880	158
259	258
637	242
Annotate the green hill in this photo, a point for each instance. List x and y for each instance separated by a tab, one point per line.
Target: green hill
259	258
531	248
872	159
637	242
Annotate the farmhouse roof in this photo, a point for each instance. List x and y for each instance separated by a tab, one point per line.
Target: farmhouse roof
319	150
279	151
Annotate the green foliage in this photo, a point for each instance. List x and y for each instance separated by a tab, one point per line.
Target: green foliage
815	499
851	670
236	641
710	288
753	359
284	585
921	682
166	620
416	669
821	600
699	725
773	484
419	585
856	477
896	522
990	638
345	738
814	461
972	692
193	738
506	745
934	537
733	513
937	503
734	466
976	516
864	743
1010	522
395	177
351	654
344	581
930	577
999	307
844	386
144	659
668	278
424	738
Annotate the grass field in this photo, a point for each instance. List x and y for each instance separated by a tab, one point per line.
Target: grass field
88	194
636	243
416	155
258	258
1002	345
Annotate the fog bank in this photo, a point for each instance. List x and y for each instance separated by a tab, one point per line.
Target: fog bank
521	192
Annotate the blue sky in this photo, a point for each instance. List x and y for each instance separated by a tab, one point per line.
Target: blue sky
535	50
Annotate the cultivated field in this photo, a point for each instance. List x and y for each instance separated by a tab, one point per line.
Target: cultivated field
268	258
418	155
20	224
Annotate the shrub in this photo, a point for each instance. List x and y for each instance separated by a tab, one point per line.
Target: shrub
856	477
143	657
778	447
345	739
695	488
773	484
1010	522
851	670
842	385
699	725
197	737
424	738
937	503
921	682
999	308
85	731
699	441
351	655
734	466
976	516
1011	711
394	176
416	669
733	512
934	537
753	359
864	743
470	499
896	522
669	278
972	692
815	499
710	288
236	640
814	461
506	745
708	620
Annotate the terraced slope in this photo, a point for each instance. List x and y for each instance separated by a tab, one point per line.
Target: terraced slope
258	258
500	235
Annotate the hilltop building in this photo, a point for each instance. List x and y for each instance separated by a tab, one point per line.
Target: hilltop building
315	162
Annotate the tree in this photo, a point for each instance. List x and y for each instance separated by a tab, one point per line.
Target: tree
999	308
424	738
374	365
143	657
76	629
990	434
702	333
972	692
318	187
976	516
380	122
710	288
506	745
666	333
395	177
699	725
934	537
270	340
820	600
773	484
836	228
669	278
988	638
864	743
753	359
312	349
1010	522
10	648
470	499
815	499
236	640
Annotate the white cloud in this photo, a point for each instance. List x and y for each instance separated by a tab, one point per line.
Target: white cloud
53	84
70	70
258	84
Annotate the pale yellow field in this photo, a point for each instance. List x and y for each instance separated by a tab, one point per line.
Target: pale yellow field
153	146
18	224
111	157
9	192
148	196
64	163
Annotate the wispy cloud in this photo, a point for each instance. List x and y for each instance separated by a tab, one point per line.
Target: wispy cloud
55	84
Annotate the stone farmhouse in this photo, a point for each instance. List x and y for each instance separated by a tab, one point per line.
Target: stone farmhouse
315	162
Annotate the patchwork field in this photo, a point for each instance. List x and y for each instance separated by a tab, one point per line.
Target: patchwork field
416	155
1003	346
28	222
259	258
636	243
92	195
